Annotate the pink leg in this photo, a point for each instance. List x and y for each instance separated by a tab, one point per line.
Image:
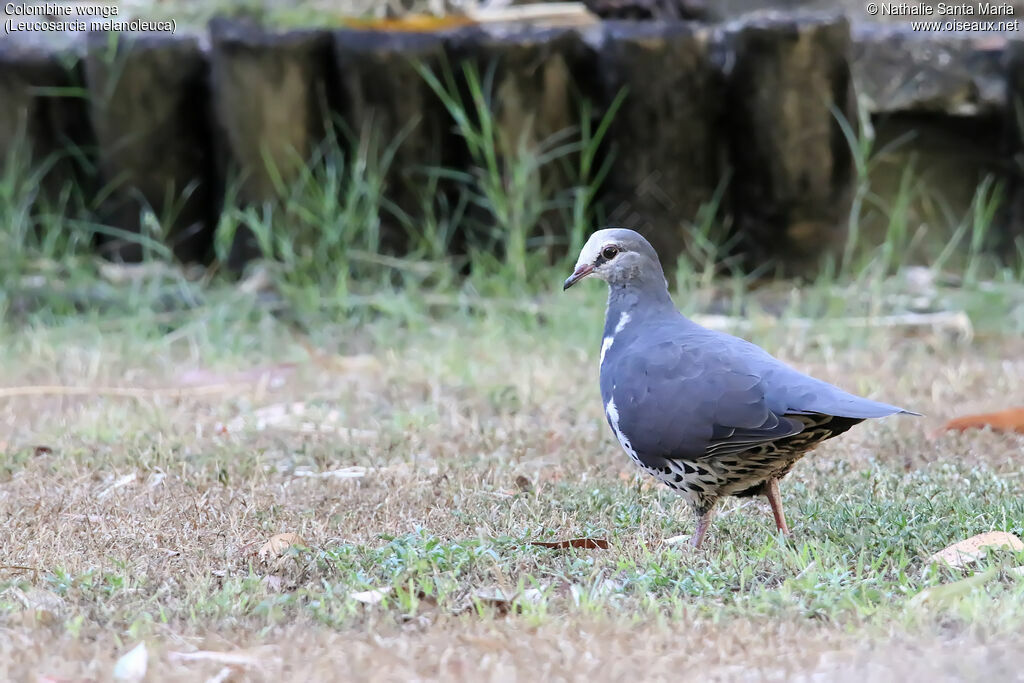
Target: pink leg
771	492
703	522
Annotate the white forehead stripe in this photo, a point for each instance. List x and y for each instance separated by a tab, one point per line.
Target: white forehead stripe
593	248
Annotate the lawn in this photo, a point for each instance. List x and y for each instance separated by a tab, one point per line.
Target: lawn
339	463
357	499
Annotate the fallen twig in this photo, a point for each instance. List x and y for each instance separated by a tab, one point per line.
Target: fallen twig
353	472
951	321
18	567
586	543
541	13
230	658
122	392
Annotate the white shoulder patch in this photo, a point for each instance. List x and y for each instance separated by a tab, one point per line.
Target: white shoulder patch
609	340
605	345
613	419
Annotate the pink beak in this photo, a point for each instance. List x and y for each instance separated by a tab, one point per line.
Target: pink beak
577	275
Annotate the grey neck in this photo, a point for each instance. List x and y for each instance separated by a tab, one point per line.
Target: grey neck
639	300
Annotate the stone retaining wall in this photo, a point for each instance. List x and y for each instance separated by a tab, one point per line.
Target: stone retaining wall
169	121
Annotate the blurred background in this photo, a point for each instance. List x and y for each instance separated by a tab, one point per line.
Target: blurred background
341	150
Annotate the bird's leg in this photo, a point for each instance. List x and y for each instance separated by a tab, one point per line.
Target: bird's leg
703	522
770	489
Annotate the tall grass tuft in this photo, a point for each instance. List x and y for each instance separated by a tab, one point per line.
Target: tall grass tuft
517	187
321	233
35	227
521	207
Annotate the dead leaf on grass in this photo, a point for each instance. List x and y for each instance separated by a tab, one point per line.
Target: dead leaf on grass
121	482
227	673
973	549
585	543
524	484
1011	420
353	472
132	665
497	598
949	592
501	600
676	540
371	597
236	658
599	589
278	544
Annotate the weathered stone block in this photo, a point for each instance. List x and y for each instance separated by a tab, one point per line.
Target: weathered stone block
270	95
897	69
665	137
43	108
533	74
385	102
1012	217
149	105
530	77
792	166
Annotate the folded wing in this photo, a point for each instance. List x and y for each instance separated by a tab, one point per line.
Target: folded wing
709	396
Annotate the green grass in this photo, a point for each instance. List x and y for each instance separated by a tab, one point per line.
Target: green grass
483	433
465	384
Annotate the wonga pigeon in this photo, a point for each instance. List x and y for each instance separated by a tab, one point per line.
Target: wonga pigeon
708	414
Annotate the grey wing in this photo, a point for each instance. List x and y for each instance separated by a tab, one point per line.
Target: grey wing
795	393
691	401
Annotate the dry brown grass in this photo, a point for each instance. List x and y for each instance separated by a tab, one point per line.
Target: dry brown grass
588	649
141	518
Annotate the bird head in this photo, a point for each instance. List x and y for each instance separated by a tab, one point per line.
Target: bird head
619	257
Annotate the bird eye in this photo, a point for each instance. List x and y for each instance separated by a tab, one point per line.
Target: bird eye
609	253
